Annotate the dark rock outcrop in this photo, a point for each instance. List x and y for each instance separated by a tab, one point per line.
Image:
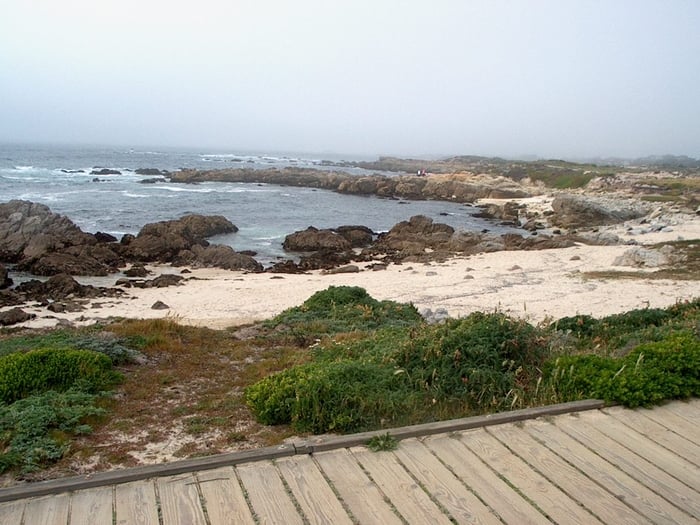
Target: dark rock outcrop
14	316
61	287
136	270
357	236
105	171
313	239
217	256
29	230
416	235
46	243
150	171
5	281
163	241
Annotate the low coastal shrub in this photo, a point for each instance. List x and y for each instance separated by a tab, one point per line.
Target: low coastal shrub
36	431
652	372
26	373
354	384
120	350
344	309
342	396
622	332
476	359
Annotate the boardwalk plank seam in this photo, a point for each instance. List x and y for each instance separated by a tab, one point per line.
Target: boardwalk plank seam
461	480
298	506
246	495
622	485
335	490
670	439
559	467
385	496
666	460
655	479
427	492
533	486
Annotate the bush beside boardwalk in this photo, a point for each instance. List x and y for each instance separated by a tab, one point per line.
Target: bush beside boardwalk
340	362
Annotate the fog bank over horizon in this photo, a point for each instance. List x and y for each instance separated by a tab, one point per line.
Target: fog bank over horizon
536	79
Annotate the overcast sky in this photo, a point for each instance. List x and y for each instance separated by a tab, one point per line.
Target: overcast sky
553	78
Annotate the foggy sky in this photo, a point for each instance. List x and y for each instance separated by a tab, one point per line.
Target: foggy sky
566	79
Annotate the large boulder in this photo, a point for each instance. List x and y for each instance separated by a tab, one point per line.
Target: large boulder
46	243
357	236
29	230
579	211
416	235
313	239
218	256
163	241
14	316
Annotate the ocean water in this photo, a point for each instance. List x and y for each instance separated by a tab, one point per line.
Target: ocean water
117	204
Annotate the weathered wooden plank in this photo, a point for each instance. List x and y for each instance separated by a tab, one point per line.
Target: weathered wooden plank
311	490
12	511
135	503
364	499
409	499
687	408
92	506
579	487
620	484
47	510
638	420
680	424
645	447
267	494
636	466
554	502
443	485
223	497
508	504
179	500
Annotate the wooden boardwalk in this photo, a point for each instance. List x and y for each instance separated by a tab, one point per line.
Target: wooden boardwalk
602	465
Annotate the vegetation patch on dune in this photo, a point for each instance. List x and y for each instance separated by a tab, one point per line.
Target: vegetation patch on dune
340	362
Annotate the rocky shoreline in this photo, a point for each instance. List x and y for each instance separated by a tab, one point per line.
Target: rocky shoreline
36	240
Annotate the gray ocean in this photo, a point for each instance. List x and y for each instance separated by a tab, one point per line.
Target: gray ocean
61	178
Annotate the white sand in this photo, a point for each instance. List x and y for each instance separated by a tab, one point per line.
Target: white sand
533	284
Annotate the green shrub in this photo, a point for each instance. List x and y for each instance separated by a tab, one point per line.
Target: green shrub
22	374
34	431
651	373
342	396
53	339
343	309
476	358
119	350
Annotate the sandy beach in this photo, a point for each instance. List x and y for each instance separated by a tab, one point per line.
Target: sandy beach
536	285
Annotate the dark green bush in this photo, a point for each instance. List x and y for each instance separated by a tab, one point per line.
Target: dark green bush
34	431
342	396
476	358
651	373
344	309
22	374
